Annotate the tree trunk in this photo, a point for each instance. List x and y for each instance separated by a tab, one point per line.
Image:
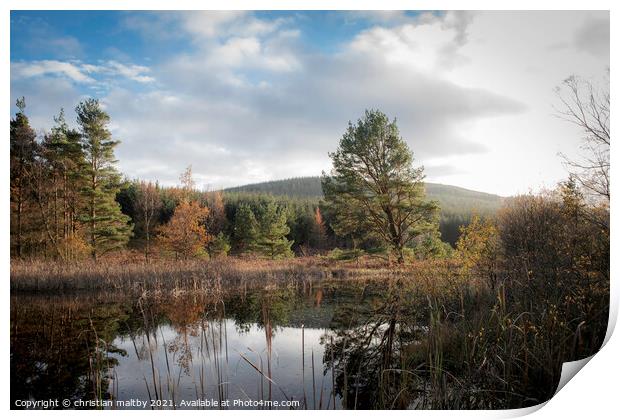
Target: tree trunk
147	245
93	224
19	223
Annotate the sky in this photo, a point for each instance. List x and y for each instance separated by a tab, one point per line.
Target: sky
247	97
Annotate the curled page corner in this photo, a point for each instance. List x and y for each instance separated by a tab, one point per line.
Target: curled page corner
519	412
570	369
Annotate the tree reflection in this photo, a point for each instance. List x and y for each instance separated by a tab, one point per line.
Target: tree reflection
365	348
63	351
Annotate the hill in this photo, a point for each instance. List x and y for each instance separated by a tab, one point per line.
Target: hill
457	204
452	199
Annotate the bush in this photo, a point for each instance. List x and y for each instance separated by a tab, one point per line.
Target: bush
337	254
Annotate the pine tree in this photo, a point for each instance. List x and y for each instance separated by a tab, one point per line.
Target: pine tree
219	246
374	188
64	172
107	227
272	240
23	149
246	229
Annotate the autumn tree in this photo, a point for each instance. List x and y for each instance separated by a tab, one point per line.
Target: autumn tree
320	230
373	186
108	228
188	184
478	249
185	234
148	203
23	147
217	215
272	240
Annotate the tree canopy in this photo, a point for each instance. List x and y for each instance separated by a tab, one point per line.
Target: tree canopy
373	187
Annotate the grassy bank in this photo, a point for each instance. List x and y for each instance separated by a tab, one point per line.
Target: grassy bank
131	275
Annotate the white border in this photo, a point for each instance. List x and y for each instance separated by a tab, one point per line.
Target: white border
592	393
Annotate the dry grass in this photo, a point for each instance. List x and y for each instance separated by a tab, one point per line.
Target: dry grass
127	272
133	276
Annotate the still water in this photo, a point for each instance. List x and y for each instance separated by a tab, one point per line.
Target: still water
303	344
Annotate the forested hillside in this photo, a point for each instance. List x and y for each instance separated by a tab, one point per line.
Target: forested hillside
449	196
457	204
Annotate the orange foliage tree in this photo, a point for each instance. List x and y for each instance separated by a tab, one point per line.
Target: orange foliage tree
185	234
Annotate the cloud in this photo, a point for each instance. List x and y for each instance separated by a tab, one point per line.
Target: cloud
132	71
50	67
249	97
79	72
250	53
44	98
429	42
593	36
380	17
281	119
221	24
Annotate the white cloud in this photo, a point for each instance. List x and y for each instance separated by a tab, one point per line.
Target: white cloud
429	43
80	72
221	24
49	67
249	102
285	125
133	72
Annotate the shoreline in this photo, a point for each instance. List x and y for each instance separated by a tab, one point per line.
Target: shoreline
194	275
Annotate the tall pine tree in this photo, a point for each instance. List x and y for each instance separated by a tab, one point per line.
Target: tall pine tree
65	178
107	227
23	150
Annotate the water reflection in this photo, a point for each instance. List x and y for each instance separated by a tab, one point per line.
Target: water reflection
325	345
231	346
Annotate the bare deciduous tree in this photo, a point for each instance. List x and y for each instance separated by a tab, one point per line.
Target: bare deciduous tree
148	204
588	107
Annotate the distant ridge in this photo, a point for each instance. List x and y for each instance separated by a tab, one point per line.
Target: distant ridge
452	199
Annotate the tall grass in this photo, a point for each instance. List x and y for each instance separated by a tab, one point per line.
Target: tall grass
137	277
426	336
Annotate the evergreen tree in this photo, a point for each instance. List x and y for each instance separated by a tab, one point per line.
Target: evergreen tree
219	246
246	229
373	187
107	227
272	240
64	172
23	149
